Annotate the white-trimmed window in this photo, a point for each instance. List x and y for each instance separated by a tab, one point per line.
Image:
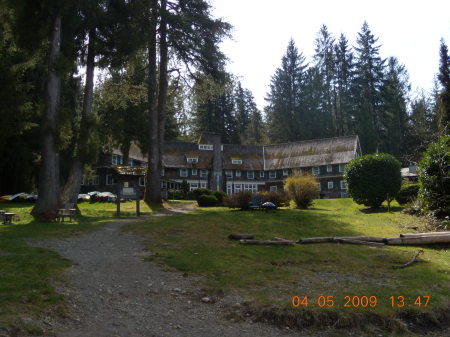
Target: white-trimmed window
203	173
261	174
194	171
193	186
285	172
330	185
183	172
237	188
143	164
192	159
329	168
116	159
205	147
162	172
229	189
96	180
141	181
273	188
341	167
343	185
110	179
250	174
238	173
228	173
250	187
316	170
272	174
203	184
236	161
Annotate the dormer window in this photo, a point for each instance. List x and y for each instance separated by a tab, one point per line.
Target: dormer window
192	160
236	161
205	147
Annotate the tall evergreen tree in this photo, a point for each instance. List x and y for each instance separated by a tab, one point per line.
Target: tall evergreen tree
214	108
285	115
343	79
394	118
325	63
369	70
444	96
242	112
422	128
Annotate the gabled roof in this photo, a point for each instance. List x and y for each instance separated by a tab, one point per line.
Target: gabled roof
175	154
309	153
258	157
251	156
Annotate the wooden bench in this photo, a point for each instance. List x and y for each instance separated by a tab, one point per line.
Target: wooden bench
68	211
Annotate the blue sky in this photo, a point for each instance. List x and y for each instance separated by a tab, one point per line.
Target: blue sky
410	30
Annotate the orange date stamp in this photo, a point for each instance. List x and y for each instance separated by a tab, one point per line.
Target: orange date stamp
359	301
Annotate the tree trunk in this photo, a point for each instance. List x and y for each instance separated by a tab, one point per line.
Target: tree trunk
125	148
73	183
152	189
48	191
162	97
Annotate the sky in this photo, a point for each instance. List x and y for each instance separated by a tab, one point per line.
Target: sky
409	30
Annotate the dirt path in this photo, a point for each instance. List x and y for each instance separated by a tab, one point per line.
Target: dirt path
113	292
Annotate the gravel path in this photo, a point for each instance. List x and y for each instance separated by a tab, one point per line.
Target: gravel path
113	292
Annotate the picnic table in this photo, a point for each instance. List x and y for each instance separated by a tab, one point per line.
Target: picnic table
7	218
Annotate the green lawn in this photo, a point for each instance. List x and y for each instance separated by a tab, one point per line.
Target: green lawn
269	276
26	273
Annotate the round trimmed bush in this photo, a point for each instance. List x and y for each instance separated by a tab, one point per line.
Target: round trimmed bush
207	200
372	178
407	194
201	191
434	178
219	195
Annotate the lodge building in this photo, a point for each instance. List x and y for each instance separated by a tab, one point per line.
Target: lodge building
233	167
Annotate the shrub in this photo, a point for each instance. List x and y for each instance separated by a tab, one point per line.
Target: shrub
238	200
207	200
201	191
407	193
302	189
219	195
185	188
279	198
175	194
373	178
434	178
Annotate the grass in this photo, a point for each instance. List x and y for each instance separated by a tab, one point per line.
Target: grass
27	273
269	276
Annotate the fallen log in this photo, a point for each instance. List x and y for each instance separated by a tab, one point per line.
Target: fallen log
240	236
363	238
410	262
358	242
408	235
419	240
316	240
267	242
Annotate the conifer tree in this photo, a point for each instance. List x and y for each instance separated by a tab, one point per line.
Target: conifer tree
394	118
369	70
325	63
444	96
285	114
343	79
